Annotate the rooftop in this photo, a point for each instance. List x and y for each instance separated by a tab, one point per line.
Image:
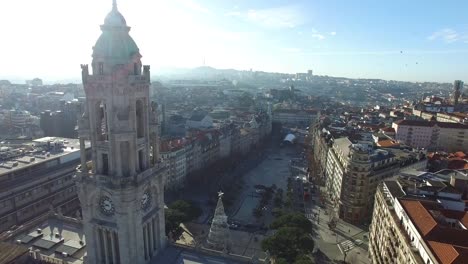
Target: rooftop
424	123
447	243
40	151
343	144
9	252
57	237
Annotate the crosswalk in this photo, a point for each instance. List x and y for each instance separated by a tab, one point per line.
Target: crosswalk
346	245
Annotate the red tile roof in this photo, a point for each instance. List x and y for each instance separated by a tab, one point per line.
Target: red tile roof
445	253
388	129
449	245
419	216
464	220
425	123
387	143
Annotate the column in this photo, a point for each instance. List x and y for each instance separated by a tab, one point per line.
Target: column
114	255
145	244
83	155
150	239
100	245
117	247
155	243
106	247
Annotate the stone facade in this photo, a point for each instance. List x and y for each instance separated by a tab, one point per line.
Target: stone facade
389	242
121	189
433	136
418	219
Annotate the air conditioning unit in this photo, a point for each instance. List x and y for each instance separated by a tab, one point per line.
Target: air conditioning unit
57	235
39	231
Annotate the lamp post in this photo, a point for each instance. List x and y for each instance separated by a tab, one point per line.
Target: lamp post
345	252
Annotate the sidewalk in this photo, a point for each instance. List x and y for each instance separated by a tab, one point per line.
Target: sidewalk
346	238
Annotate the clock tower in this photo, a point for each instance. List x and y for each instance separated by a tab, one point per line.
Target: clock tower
121	189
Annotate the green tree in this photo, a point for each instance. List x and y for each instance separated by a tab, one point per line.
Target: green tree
246	100
180	211
281	261
188	208
173	220
293	220
288	243
303	259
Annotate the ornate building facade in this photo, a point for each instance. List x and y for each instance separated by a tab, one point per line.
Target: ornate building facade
121	189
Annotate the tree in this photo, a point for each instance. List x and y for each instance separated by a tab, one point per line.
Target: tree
293	220
303	259
288	243
188	208
246	100
173	220
281	261
178	212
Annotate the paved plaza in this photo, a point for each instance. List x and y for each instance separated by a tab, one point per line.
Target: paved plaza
273	166
273	169
346	238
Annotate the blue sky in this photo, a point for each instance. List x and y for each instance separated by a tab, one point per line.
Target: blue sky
401	40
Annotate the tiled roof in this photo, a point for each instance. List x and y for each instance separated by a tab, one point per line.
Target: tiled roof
449	235
419	216
388	129
464	220
425	123
387	143
445	253
449	245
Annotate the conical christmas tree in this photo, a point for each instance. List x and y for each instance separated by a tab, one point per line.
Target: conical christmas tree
219	237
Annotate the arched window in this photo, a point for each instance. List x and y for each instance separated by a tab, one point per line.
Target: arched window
140	119
101	68
101	121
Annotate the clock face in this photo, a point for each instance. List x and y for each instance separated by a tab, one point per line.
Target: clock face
146	200
107	207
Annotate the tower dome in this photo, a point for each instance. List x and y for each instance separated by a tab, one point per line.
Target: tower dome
115	18
115	45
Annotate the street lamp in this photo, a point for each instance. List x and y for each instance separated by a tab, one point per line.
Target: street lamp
345	252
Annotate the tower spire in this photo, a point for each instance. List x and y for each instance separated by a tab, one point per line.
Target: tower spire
114	5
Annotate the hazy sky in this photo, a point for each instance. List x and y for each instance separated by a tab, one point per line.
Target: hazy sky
399	39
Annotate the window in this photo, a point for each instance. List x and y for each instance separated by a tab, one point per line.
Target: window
141	160
101	121
101	68
135	69
139	119
105	164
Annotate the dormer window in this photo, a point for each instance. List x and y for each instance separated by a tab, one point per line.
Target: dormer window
135	69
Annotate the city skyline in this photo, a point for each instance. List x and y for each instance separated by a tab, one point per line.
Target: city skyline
422	43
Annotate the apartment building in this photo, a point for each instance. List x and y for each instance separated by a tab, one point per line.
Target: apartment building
173	153
431	135
353	172
419	220
39	179
456	117
294	116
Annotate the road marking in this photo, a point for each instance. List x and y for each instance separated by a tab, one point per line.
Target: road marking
309	216
346	245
